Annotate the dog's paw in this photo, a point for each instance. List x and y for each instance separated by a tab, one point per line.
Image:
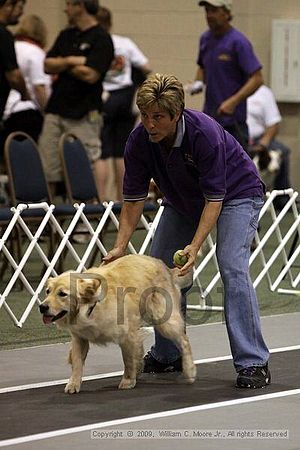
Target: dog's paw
190	380
127	383
190	374
72	387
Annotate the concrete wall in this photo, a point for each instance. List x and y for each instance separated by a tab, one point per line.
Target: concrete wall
168	32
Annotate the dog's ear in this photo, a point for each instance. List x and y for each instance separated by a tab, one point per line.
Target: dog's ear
74	308
48	285
49	281
87	288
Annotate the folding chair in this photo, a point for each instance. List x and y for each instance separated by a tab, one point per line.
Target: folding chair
14	243
78	174
27	182
79	178
26	177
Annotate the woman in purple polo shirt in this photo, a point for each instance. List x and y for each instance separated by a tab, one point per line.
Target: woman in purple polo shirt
207	179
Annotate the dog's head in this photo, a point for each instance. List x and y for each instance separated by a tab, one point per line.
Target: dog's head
66	293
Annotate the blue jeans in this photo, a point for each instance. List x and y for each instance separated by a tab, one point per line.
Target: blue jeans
236	227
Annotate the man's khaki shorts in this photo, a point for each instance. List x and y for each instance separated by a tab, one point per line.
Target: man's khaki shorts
86	129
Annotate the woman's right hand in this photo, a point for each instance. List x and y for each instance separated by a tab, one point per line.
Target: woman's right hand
114	254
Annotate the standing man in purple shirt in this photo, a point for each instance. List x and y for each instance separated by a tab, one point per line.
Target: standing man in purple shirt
207	179
229	69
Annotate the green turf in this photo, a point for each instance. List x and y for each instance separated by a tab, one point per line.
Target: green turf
34	332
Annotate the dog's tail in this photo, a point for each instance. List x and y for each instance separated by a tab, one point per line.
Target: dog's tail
182	281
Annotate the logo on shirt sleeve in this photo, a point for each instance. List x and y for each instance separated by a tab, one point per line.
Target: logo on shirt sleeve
224	57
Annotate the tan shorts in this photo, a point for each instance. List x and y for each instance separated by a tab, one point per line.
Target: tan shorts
86	129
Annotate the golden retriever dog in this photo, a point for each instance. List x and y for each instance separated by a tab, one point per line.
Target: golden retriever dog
112	303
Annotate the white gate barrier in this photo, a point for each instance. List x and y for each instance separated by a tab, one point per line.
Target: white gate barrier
288	218
66	242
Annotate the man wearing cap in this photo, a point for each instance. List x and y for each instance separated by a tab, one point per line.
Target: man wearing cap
228	68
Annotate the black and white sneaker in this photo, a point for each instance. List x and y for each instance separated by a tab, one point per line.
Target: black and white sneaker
254	377
151	365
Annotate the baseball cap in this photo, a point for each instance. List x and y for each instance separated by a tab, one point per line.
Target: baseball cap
218	3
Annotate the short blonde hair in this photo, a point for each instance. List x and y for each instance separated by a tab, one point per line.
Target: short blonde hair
165	90
33	27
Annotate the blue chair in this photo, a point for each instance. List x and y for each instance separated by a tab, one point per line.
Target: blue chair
27	183
80	183
26	177
79	177
13	242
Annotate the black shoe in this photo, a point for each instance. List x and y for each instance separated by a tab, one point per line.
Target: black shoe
254	377
151	365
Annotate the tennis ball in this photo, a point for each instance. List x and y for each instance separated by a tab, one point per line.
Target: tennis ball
179	258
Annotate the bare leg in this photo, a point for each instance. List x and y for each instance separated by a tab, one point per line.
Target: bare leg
52	188
100	168
119	174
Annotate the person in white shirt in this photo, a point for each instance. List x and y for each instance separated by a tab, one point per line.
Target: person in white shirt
119	91
263	119
27	115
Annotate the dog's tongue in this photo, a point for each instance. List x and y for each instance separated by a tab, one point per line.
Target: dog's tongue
47	320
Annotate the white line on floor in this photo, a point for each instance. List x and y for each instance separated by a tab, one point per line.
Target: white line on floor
176	412
117	374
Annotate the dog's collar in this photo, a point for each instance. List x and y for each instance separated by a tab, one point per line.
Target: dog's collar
91	309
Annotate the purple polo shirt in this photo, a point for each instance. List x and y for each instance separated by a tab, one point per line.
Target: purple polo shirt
205	162
227	61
